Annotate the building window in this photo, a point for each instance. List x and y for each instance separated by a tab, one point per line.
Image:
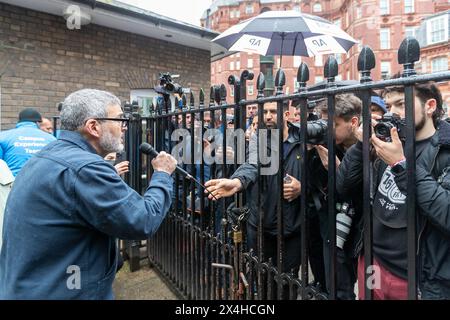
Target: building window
297	8
297	61
384	7
231	14
318	79
250	90
338	58
338	22
231	65
317	7
249	9
318	61
385	38
358	12
411	32
238	13
385	69
219	67
437	30
250	63
238	65
439	64
409	6
296	85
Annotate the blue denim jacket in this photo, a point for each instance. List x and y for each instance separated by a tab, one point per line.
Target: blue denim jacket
64	213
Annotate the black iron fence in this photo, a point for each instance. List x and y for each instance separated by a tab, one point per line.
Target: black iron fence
201	248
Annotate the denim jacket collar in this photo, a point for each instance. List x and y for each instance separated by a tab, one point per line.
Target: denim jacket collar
76	138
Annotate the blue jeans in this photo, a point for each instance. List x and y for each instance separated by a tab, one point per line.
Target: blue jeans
435	290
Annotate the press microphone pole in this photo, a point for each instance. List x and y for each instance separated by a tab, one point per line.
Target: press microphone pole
149	150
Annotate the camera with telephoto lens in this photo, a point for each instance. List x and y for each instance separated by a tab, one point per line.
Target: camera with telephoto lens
383	128
167	85
344	220
317	131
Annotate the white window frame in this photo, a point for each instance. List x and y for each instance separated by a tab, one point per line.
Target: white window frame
238	65
231	14
442	60
249	9
386	31
409	4
231	65
249	63
238	13
317	7
413	29
358	12
296	85
318	61
383	69
441	19
297	61
384	7
250	90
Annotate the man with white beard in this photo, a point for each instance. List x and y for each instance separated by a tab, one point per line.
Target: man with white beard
68	206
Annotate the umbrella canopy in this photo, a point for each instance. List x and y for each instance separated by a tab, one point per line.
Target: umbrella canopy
286	33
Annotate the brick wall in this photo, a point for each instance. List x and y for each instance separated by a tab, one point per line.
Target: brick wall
41	62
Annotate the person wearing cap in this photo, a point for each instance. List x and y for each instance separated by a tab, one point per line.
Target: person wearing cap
18	145
377	106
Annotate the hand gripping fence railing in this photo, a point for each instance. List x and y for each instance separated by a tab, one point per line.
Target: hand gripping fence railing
201	249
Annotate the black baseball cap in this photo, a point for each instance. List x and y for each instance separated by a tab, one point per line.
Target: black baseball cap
30	114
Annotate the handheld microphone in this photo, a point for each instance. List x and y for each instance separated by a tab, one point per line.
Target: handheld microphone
149	150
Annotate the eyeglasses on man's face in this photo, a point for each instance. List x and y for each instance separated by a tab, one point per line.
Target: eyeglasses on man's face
123	121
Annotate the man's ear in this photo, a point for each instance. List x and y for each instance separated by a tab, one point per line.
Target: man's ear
287	114
92	128
430	106
355	122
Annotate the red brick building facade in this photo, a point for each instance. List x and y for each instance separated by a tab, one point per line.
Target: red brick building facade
42	61
380	24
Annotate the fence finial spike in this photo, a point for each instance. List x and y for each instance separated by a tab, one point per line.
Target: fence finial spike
303	73
261	82
247	75
191	99
217	94
408	54
223	93
280	81
366	62
212	94
330	69
201	97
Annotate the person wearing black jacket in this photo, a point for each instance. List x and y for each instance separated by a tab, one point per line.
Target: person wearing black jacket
346	122
246	178
389	194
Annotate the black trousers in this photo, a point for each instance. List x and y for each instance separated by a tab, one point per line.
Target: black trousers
291	253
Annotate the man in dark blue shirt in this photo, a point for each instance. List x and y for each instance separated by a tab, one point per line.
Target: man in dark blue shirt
68	206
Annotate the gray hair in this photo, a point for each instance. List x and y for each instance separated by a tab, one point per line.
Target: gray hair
85	104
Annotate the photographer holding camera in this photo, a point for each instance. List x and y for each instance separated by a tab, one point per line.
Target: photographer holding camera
389	195
346	122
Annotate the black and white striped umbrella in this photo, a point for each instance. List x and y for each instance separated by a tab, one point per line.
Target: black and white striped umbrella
286	33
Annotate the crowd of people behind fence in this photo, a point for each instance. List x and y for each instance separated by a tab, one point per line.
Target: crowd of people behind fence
84	201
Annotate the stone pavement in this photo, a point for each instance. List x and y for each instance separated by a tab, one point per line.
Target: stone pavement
144	284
